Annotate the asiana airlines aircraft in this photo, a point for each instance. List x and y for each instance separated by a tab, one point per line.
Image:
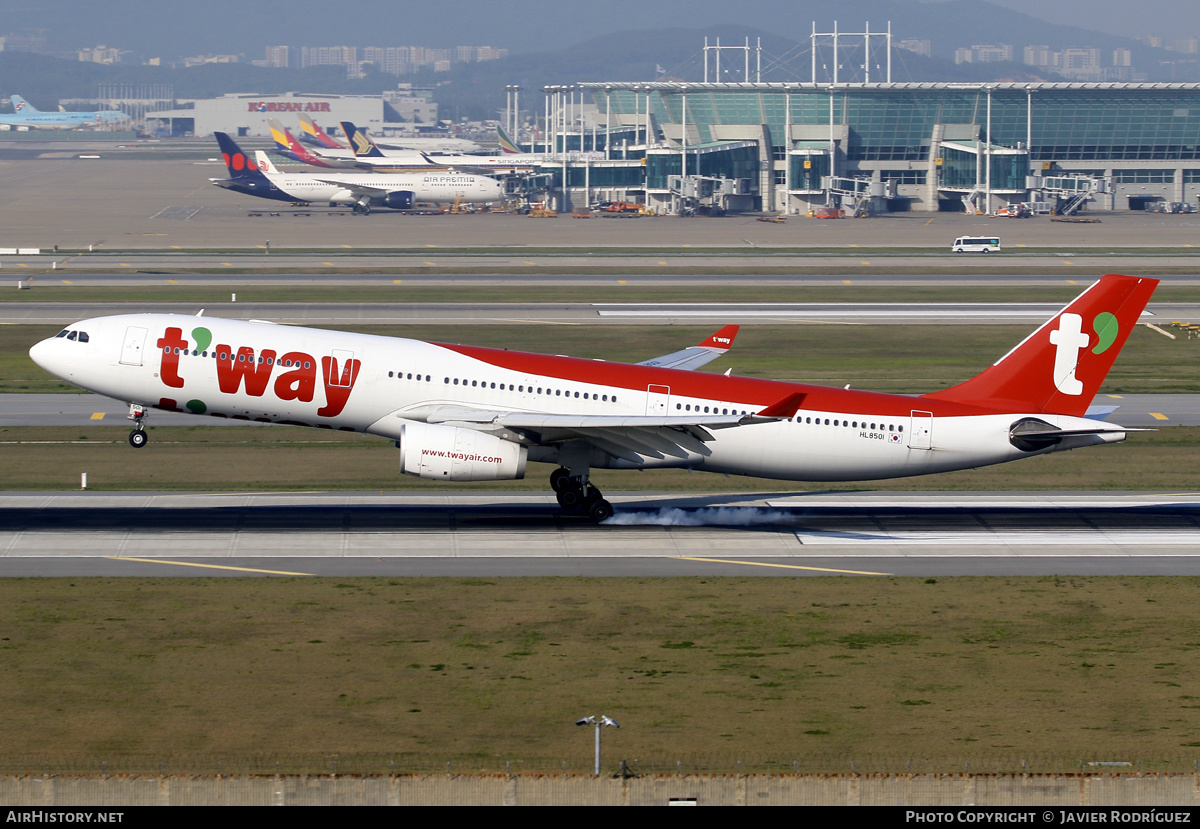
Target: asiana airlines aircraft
465	413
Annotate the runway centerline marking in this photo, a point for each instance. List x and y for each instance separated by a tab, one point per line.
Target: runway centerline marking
208	566
784	566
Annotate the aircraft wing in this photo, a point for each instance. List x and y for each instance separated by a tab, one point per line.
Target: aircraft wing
697	355
360	190
630	437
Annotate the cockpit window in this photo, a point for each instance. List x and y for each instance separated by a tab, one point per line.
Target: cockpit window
72	335
62	333
83	337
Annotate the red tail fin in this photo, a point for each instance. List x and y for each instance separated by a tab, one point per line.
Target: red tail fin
1059	368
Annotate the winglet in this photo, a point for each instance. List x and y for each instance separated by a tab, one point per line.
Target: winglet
722	340
785	407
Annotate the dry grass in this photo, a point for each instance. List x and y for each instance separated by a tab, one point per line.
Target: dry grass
478	672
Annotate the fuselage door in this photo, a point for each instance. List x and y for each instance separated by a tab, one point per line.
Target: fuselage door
920	430
132	347
341	369
658	400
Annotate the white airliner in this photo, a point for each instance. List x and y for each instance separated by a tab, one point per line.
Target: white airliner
463	413
360	190
27	115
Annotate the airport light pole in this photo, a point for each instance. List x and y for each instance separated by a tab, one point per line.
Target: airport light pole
599	721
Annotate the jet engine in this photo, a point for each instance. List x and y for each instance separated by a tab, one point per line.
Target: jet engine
450	453
399	200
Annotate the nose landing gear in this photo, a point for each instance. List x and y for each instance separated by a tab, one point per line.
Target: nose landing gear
138	437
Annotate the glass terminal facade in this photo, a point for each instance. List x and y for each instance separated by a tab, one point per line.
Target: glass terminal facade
936	141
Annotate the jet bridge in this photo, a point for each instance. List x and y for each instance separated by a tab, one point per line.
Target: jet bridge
861	196
1070	192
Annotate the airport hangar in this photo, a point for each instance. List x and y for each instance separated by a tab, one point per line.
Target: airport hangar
878	147
242	114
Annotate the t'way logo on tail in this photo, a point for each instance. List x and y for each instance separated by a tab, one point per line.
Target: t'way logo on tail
1059	368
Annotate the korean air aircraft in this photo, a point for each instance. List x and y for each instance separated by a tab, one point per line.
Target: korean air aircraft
362	191
27	115
464	413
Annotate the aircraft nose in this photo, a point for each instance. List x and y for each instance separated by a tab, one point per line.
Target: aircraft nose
46	354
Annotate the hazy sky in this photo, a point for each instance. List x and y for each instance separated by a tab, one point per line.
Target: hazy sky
172	28
1166	18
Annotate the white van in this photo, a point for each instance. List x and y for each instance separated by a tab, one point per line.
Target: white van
975	244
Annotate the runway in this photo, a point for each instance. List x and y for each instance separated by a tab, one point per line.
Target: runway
520	534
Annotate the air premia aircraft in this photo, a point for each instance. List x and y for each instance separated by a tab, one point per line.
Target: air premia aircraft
360	190
463	413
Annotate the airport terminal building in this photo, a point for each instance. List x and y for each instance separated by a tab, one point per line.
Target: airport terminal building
876	147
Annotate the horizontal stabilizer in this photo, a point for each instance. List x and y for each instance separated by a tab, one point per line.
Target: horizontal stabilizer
697	355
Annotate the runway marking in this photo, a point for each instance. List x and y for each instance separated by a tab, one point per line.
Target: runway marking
227	264
208	566
1037	539
430	263
735	311
661	262
846	281
784	566
1159	416
527	262
67	282
927	223
97	415
1072	282
173	281
394	281
1116	397
864	262
534	322
330	264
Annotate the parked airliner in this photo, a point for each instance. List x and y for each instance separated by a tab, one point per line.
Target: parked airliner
464	413
259	177
27	115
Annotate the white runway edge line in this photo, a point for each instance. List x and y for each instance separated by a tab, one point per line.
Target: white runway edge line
1102	542
848	312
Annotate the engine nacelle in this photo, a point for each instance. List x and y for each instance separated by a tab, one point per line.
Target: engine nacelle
400	200
449	453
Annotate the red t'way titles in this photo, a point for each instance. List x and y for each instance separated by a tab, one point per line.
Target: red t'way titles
298	382
172	344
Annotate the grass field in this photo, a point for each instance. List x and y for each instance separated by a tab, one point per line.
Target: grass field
887	674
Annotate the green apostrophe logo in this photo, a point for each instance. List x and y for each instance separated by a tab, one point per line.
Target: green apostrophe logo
1107	329
202	337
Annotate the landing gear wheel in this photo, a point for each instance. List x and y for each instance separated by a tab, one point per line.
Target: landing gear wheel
600	510
138	438
560	479
570	498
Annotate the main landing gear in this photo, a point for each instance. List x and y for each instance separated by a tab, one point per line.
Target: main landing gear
362	209
575	494
138	437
